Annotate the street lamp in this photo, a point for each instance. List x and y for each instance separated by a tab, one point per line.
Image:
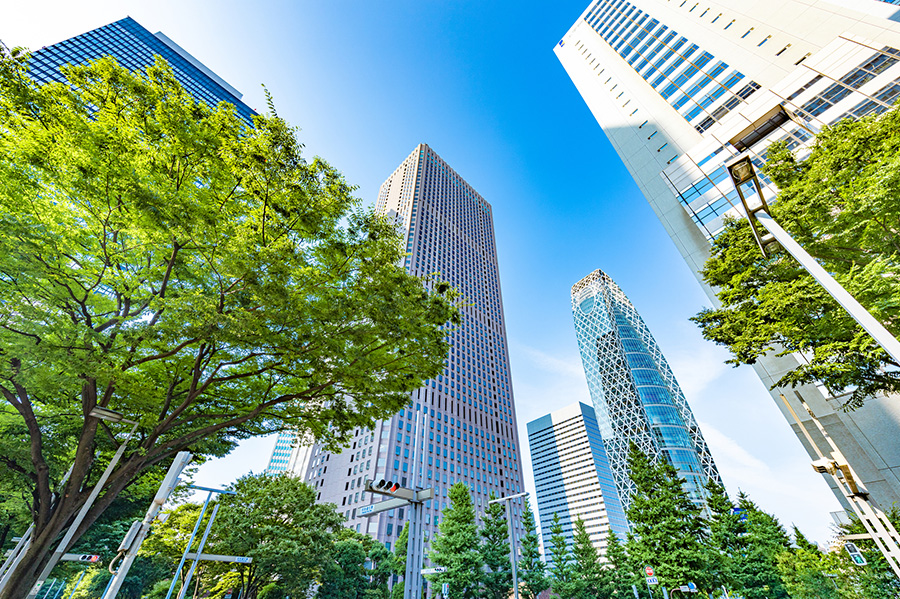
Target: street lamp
512	536
741	171
879	528
109	416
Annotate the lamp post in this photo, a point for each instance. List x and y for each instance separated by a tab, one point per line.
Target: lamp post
109	416
742	172
513	556
878	527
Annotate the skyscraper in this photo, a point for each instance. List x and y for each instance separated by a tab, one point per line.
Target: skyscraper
572	477
680	88
635	394
461	426
135	48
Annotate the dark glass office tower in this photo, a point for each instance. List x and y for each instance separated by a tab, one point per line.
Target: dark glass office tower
635	394
136	48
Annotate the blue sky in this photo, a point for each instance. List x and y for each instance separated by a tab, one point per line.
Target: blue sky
479	83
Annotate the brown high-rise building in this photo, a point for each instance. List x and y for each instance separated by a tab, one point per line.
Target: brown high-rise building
461	426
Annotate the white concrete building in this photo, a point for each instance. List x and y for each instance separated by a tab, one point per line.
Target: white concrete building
572	477
681	86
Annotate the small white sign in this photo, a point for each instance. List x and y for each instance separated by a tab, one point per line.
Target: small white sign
435	570
652	580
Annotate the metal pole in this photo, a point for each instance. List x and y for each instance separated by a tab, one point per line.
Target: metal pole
868	322
22	546
190	574
515	550
77	582
187	549
875	521
67	539
62	585
165	489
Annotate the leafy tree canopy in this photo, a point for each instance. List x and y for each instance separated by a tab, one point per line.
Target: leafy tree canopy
495	552
160	258
841	205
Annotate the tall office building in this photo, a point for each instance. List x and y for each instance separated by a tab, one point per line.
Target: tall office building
135	48
461	426
635	394
681	87
572	477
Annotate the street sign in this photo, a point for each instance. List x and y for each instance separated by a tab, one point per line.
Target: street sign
634	590
648	571
366	509
652	580
211	557
684	588
435	570
445	589
692	587
855	554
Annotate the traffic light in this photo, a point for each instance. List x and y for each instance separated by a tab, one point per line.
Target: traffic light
855	554
91	559
384	487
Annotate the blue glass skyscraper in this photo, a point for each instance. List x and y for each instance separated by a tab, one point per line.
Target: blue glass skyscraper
635	394
135	48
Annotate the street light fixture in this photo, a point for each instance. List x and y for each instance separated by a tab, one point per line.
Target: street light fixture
741	171
514	553
109	415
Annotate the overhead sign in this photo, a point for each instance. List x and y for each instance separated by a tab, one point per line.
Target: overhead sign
652	580
648	571
435	570
366	509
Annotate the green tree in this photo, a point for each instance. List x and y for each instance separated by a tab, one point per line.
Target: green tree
803	569
667	530
756	571
623	573
841	205
456	546
532	571
562	576
495	552
344	576
592	580
163	259
400	561
273	519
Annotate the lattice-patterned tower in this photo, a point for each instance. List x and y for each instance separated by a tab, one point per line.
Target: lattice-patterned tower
635	394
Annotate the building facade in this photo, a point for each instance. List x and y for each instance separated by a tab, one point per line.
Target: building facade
135	48
635	394
572	477
680	88
461	426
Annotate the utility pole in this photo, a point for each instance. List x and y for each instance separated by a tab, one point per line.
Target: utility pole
879	528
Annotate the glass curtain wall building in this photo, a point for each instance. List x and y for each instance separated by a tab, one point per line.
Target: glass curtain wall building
572	477
680	88
135	48
460	427
635	394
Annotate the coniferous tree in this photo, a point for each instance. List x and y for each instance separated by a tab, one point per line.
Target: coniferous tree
726	530
532	570
456	546
623	573
667	530
561	570
495	552
756	570
590	578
